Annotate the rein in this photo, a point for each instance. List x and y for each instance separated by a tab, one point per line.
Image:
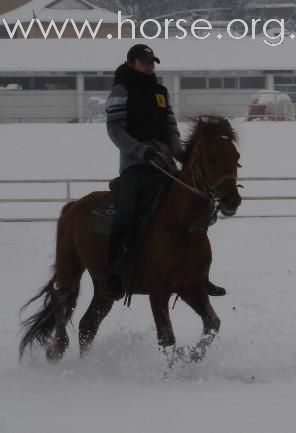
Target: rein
195	190
209	193
210	196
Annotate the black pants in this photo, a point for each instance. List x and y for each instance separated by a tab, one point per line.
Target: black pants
135	181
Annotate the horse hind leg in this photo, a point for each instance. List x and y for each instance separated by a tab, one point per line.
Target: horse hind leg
90	322
198	300
64	294
63	301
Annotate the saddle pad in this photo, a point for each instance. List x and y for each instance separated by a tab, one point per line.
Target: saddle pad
100	220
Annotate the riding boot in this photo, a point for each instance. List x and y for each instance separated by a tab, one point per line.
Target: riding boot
112	288
214	290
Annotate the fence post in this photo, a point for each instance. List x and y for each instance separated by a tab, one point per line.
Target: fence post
68	190
176	93
80	97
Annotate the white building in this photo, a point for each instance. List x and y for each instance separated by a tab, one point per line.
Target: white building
56	78
59	11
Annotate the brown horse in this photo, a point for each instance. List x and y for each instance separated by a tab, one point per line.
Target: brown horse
175	250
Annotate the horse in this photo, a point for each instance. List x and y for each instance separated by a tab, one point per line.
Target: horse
175	251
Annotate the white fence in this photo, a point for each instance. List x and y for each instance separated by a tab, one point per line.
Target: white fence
42	199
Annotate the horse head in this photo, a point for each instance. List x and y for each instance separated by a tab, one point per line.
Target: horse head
213	161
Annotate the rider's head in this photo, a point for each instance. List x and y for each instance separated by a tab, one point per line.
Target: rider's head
141	58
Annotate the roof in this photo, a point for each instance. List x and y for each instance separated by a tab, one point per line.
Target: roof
8	5
271	5
45	55
59	10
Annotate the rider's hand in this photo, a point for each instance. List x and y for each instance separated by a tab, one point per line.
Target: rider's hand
180	155
150	154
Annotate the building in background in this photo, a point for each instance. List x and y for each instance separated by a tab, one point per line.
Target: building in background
59	11
8	5
53	80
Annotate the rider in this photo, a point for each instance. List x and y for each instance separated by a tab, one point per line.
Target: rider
141	123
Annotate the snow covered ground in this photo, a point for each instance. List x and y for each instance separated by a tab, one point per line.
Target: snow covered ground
247	382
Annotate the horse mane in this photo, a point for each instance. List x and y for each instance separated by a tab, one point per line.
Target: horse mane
204	130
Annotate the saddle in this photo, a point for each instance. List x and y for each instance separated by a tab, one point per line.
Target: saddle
101	221
101	217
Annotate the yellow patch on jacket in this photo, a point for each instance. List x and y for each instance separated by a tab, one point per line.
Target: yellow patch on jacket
161	101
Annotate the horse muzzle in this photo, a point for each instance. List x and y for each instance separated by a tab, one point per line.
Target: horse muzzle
229	205
228	197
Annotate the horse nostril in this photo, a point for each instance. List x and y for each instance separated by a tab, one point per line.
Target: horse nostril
233	201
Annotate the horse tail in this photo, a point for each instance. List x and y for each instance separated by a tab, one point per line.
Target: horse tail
40	326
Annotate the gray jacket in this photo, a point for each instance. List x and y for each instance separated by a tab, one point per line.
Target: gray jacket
131	149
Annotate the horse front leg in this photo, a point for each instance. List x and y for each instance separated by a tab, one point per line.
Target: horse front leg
198	300
160	309
90	322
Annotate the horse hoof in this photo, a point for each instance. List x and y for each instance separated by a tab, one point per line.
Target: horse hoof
188	354
169	354
84	351
85	344
54	354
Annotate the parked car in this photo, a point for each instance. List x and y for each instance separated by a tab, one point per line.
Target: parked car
271	105
12	86
96	107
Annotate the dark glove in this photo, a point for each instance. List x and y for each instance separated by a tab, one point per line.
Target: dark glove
180	155
150	154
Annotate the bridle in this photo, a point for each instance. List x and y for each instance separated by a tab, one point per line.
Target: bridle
200	187
199	177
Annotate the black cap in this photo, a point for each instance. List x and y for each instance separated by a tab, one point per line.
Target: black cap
143	53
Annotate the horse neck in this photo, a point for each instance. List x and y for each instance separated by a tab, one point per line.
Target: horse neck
183	205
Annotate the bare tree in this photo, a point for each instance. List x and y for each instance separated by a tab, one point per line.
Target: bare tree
143	9
140	10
